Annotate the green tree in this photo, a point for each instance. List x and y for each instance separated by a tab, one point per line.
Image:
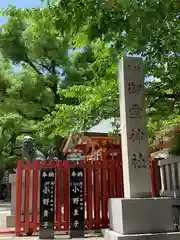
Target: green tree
45	62
82	84
146	28
30	93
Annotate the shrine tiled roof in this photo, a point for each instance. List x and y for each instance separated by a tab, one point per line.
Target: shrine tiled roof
104	126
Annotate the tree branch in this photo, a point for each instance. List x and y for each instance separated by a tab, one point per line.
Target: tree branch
48	111
163	96
35	101
154	102
45	67
28	61
53	71
53	67
36	118
54	87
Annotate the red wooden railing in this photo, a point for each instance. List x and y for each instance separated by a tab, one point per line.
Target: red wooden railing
103	180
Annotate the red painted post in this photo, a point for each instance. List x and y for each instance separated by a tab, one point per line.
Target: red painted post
58	195
112	174
18	197
35	197
85	183
101	187
107	170
97	198
43	164
104	191
27	197
122	180
154	174
66	195
89	193
119	178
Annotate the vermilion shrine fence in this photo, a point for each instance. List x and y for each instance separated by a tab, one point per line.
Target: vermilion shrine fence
103	180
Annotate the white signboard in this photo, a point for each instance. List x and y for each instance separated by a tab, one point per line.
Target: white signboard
75	156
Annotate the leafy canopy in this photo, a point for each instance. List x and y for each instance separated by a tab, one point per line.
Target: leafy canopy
146	28
66	56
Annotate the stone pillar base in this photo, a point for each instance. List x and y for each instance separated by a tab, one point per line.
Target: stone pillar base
142	219
112	235
141	215
12	181
10	220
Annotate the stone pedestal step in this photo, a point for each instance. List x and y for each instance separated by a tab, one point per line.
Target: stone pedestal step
111	235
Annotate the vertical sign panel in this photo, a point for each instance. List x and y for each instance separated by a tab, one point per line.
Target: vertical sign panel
76	203
47	198
134	140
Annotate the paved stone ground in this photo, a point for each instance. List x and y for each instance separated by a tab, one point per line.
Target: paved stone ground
4	212
57	237
3	216
37	238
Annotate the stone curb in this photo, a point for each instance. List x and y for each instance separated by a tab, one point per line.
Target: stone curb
5	205
112	235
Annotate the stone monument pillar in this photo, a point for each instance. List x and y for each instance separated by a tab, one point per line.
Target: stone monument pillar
134	140
137	216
